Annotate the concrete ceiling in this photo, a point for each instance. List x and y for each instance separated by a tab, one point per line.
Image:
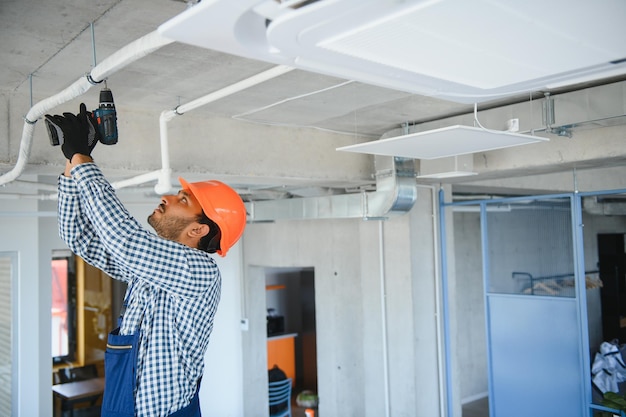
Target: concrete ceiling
47	45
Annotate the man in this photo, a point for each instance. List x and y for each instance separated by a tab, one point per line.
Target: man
154	359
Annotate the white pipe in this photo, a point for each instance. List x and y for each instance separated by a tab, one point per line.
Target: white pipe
28	214
235	88
163	176
29	185
10	196
139	179
130	53
121	58
438	314
164	184
383	309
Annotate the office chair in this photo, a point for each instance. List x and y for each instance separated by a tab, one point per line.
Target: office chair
280	398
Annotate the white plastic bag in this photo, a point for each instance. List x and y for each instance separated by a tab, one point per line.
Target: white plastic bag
608	368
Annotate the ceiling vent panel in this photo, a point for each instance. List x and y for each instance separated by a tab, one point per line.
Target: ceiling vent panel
460	50
444	142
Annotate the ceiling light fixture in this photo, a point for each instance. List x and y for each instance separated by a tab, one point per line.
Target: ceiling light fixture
444	142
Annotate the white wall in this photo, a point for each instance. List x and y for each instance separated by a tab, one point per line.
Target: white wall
33	238
222	385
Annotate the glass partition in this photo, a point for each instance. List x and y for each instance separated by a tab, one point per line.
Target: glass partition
531	247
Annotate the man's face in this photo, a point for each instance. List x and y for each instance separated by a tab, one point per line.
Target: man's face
174	214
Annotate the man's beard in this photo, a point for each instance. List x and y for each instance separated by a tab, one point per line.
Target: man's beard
168	228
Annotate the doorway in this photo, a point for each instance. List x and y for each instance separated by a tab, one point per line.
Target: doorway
291	327
612	267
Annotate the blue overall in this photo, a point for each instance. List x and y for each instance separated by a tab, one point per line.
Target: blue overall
120	370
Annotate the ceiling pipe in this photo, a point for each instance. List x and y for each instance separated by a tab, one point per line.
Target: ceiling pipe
396	193
130	53
30	185
14	196
234	88
164	184
395	179
163	175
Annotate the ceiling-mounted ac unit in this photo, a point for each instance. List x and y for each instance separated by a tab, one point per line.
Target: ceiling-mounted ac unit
460	50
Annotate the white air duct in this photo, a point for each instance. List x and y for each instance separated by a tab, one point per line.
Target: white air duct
396	192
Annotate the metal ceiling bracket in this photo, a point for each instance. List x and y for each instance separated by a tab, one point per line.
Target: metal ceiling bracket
548	112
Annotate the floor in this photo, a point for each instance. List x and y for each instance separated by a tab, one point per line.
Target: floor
300	411
478	408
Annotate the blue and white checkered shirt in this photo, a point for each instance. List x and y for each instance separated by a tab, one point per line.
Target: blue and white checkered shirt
174	290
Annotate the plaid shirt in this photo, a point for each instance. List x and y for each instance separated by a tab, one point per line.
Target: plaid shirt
173	290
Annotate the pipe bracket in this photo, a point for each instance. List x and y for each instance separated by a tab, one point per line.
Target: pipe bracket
91	80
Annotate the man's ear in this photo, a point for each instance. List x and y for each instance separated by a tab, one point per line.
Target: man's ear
199	230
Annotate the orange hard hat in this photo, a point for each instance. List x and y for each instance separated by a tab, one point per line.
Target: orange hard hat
224	206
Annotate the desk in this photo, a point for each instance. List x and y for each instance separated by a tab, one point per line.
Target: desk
71	393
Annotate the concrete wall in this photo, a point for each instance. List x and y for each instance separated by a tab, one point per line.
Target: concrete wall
471	307
376	319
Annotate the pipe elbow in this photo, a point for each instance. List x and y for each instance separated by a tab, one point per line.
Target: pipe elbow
164	184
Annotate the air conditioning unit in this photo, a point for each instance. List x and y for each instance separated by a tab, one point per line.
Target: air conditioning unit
467	51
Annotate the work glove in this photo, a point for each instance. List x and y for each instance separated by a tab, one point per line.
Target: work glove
75	133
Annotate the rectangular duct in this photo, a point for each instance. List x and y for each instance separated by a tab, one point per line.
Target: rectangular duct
452	167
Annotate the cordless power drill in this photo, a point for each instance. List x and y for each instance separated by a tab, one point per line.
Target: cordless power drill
104	118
